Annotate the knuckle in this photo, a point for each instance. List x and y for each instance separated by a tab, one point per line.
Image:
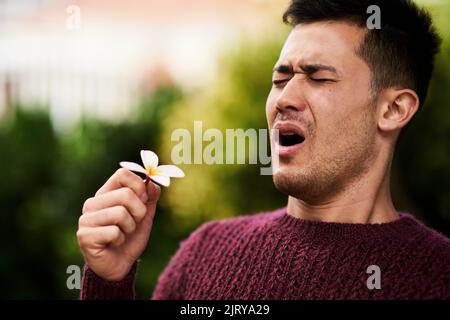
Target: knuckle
128	195
87	205
81	221
115	232
122	172
120	213
117	236
131	179
81	237
139	186
142	210
138	215
130	225
105	215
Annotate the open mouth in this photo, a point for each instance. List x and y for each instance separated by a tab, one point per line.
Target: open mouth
288	139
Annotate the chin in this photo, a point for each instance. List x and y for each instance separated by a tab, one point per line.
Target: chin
298	184
289	183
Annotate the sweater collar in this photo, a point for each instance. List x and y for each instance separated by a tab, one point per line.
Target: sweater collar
404	228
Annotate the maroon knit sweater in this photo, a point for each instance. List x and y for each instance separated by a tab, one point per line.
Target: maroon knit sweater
276	256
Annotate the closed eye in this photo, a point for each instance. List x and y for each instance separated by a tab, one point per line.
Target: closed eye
317	80
323	80
279	82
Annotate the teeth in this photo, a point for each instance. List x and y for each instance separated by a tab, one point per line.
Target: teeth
289	133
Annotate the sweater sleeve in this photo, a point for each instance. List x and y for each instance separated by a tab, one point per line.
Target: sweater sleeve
95	288
174	280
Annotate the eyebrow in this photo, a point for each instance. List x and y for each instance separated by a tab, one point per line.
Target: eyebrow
307	68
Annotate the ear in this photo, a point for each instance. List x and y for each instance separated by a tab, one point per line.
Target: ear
397	107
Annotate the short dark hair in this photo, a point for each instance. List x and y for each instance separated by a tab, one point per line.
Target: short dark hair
400	53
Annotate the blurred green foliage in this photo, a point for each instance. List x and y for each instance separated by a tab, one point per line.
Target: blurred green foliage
46	177
236	100
44	182
421	166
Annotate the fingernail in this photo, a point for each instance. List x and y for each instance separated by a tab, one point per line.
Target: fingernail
144	197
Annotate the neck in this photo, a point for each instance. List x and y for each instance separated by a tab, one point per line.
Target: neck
367	200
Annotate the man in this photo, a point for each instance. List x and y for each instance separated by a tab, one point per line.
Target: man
341	95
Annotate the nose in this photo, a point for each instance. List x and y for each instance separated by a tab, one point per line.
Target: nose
292	96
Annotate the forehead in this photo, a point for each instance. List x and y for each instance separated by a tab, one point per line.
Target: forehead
330	43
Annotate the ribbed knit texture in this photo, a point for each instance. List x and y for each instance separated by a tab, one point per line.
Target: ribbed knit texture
276	256
96	288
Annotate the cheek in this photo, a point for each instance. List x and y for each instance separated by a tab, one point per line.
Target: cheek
324	108
327	109
271	110
332	107
330	97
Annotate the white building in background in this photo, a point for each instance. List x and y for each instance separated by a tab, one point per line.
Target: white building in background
98	57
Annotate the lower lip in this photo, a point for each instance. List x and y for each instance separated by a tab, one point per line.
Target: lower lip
286	151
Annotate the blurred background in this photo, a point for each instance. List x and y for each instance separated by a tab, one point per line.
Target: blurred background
86	84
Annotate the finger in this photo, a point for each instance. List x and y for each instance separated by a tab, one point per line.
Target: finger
124	178
100	236
120	197
154	191
117	215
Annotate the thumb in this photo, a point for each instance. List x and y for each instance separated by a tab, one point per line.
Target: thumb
153	193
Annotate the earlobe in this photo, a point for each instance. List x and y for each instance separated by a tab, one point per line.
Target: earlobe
397	109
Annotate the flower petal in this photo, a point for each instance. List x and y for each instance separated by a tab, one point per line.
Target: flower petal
133	167
149	158
170	171
162	180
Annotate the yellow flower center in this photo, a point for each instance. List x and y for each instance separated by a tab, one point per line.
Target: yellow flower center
152	171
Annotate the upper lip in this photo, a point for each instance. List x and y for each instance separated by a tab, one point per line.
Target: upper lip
286	127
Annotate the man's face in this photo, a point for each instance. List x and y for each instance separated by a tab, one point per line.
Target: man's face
322	94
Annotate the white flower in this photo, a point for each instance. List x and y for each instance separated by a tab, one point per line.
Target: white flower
159	174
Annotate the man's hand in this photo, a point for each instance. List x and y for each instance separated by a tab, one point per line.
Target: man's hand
115	225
